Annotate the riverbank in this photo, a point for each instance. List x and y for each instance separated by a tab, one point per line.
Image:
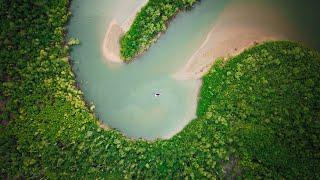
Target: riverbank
235	31
111	41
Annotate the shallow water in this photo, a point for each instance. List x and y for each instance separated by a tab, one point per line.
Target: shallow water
124	94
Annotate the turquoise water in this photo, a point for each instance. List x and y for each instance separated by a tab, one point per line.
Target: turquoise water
124	94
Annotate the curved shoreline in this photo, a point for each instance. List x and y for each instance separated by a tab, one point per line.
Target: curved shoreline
111	44
234	32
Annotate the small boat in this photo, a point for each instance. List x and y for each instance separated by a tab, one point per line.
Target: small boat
156	94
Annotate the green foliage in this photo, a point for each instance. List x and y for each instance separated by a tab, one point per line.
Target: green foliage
148	24
270	97
261	107
73	41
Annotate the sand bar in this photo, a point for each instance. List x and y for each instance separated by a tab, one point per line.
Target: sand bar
240	26
111	44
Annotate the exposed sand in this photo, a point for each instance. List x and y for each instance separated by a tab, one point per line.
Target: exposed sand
111	44
240	26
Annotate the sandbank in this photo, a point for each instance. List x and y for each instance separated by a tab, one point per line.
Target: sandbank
240	26
111	41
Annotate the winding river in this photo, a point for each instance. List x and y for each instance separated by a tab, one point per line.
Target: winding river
124	95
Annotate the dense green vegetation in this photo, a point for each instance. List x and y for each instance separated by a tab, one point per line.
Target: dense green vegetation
258	112
270	97
148	24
